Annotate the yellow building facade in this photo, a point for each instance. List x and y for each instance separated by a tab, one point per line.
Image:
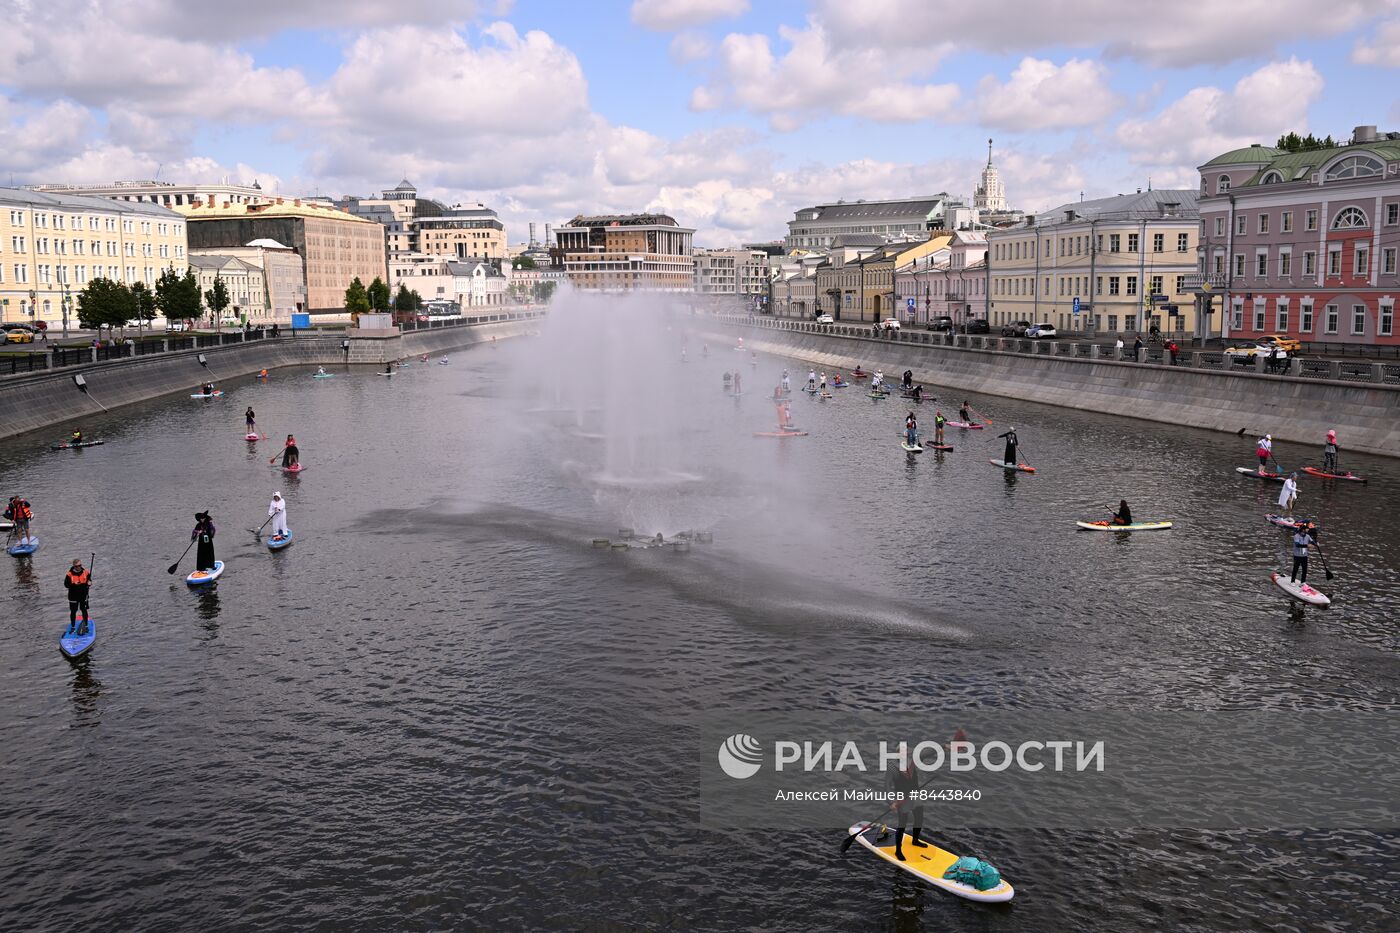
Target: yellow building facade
52	245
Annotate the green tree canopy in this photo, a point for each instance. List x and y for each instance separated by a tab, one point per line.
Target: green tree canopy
544	291
177	295
378	294
403	301
417	299
522	262
103	302
356	298
1292	142
145	301
217	298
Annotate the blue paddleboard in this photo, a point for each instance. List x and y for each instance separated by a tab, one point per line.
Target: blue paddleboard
277	544
200	577
24	550
74	645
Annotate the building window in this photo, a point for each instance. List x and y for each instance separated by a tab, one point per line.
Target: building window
1239	265
1334	261
1157	285
1219	263
1132	242
1305	317
1349	218
16	218
1392	214
1182	239
1271	178
1388	260
1263	223
1261	265
1358	166
1358	320
1222	184
1363	261
1112	322
1180	284
1159	242
1310	263
1132	285
1281	316
1220	226
1098	285
1241	224
1259	316
17	244
1387	322
1310	220
1114	242
1238	322
1332	317
1285	222
1285	264
1113	284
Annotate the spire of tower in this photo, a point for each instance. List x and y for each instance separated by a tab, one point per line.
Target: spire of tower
989	153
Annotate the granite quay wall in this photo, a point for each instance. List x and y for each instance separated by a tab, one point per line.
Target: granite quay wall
48	396
1361	400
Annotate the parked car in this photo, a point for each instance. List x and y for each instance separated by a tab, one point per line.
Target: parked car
1245	354
1283	341
18	333
977	325
890	323
1045	331
1015	329
825	319
941	323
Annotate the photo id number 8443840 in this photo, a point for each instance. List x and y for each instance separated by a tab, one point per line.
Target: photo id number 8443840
945	793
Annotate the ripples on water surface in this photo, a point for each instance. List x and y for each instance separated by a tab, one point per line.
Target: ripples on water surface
442	709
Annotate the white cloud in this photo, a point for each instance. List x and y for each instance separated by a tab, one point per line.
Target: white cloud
1043	96
1172	34
666	15
1381	48
1207	121
690	47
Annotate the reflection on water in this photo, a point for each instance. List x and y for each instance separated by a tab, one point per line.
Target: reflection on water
87	691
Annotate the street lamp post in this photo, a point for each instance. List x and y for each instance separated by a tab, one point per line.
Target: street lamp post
67	302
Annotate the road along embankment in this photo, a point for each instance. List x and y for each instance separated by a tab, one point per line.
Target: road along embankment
29	401
1366	415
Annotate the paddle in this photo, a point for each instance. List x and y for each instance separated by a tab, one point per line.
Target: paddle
1325	569
846	843
172	567
985	419
261	527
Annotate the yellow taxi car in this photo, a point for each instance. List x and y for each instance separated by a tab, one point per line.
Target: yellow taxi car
1283	342
19	335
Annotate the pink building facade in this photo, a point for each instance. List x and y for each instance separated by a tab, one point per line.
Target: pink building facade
1303	244
949	283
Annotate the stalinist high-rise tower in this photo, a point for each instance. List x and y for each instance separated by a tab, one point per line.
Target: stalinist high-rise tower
990	196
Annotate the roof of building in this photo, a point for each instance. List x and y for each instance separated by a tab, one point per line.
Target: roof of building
1144	205
404	185
923	206
216	261
1298	166
857	239
469	267
624	220
27	197
278	208
1252	153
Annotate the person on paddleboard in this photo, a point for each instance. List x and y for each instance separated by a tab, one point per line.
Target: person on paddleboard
250	419
277	511
207	388
77	580
291	454
1303	536
20	512
917	393
811	379
1264	450
908	378
1329	453
204	534
1011	444
938	422
964	415
787	383
1124	515
738	383
262	374
1288	495
905	781
76	437
911	430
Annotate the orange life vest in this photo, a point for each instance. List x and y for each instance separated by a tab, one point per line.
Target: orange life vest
80	579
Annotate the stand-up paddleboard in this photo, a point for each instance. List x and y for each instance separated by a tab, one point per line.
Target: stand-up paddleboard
294	468
1283	521
939	446
1255	474
275	543
826	395
859	375
780	434
878	394
810	390
1314	471
24	550
839	385
6	524
928	864
916	449
442	362
1012	466
65	446
217	393
251	437
386	374
1300	590
322	375
966	426
199	577
75	645
1135	526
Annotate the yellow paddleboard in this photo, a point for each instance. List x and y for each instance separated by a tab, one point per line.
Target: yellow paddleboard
929	864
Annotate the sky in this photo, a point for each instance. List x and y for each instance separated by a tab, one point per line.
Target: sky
727	114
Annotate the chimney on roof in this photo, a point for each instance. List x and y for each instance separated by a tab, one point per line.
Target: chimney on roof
1364	134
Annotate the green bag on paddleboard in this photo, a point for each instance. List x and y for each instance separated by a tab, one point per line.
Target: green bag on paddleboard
981	875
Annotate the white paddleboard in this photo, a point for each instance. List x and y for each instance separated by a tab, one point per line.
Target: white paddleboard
1302	591
1135	526
206	576
929	863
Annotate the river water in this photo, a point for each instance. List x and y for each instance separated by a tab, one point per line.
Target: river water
442	708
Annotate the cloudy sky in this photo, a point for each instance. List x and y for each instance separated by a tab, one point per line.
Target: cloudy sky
728	114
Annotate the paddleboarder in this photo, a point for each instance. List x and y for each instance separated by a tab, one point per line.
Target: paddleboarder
1009	458
203	534
1288	495
917	393
1264	450
787	383
738	383
811	380
905	782
1329	453
251	420
908	378
78	579
20	512
277	511
1124	515
76	437
911	430
964	415
208	388
262	374
291	454
938	422
1303	536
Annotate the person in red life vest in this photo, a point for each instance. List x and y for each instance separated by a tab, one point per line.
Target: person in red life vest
78	579
20	512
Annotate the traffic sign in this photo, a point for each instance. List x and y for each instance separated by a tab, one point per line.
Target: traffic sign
1159	299
909	303
1076	304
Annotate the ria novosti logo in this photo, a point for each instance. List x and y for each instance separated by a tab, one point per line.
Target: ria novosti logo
740	756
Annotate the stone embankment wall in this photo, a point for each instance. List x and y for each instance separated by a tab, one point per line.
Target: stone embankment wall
1365	415
35	400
